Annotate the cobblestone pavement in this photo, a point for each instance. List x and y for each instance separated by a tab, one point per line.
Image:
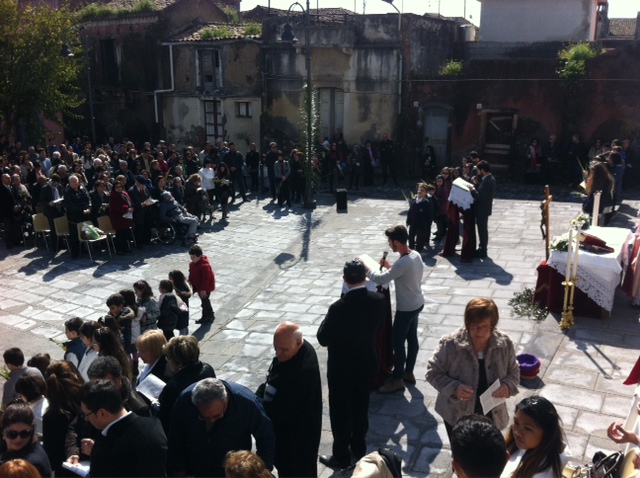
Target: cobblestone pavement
273	265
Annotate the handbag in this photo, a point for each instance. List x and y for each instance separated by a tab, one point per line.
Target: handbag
602	466
607	466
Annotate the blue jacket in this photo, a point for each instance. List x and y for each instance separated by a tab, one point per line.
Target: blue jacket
198	452
75	347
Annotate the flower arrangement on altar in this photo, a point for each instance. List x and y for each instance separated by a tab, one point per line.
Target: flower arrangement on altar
560	243
581	221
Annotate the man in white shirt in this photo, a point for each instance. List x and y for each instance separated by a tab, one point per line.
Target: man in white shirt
407	274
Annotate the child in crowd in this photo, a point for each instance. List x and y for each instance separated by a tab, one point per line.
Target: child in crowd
169	310
420	218
130	300
182	289
203	281
14	362
74	349
86	336
149	305
40	361
122	316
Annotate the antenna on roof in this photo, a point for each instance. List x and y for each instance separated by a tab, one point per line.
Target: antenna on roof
364	6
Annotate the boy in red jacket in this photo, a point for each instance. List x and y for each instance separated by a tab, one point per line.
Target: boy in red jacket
203	282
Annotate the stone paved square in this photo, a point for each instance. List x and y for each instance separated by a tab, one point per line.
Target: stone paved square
272	267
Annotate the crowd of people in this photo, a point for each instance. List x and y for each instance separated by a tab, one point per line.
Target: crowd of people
555	163
133	186
434	203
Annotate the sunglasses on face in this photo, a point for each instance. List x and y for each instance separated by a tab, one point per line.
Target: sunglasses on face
13	434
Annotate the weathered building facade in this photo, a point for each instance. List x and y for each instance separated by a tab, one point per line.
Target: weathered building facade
128	64
362	68
216	90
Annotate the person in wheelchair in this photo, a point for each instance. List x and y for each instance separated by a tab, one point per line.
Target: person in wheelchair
171	211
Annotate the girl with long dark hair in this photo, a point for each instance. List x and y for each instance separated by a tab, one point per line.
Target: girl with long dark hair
535	441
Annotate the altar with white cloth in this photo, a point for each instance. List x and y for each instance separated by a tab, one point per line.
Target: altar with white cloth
598	275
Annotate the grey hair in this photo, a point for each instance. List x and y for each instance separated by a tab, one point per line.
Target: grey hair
207	391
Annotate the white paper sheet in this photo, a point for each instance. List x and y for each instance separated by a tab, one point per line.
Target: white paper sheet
82	468
487	401
151	387
368	261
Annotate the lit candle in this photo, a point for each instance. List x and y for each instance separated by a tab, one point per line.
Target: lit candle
567	277
596	207
577	250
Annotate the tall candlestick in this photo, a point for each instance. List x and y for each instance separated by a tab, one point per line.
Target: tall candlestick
577	250
567	276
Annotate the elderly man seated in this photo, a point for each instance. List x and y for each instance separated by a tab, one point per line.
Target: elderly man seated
171	211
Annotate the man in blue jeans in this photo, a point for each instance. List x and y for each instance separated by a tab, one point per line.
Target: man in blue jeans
407	274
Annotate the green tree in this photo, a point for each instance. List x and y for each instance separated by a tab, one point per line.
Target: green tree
35	80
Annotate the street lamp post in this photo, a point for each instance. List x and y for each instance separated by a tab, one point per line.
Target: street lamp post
288	35
68	53
390	2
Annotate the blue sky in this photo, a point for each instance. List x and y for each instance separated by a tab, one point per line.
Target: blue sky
452	8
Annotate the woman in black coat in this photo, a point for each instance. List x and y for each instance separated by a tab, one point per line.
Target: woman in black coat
183	357
20	440
63	393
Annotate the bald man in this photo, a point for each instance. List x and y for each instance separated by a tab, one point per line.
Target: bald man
292	398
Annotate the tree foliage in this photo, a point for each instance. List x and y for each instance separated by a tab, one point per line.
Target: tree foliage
573	60
35	80
451	68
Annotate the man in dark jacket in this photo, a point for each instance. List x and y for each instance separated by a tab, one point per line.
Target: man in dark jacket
349	331
142	218
211	418
483	195
50	196
130	445
235	161
292	398
8	206
78	205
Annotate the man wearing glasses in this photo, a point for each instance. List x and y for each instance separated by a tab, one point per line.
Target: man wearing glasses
211	418
130	445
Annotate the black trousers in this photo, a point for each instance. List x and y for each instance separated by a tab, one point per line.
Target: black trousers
482	222
207	309
349	414
74	240
121	241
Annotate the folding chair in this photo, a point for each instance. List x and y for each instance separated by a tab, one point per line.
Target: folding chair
104	223
40	227
61	226
88	242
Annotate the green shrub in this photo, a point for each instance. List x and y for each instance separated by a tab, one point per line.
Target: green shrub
232	15
253	29
143	6
93	11
451	68
213	33
573	60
